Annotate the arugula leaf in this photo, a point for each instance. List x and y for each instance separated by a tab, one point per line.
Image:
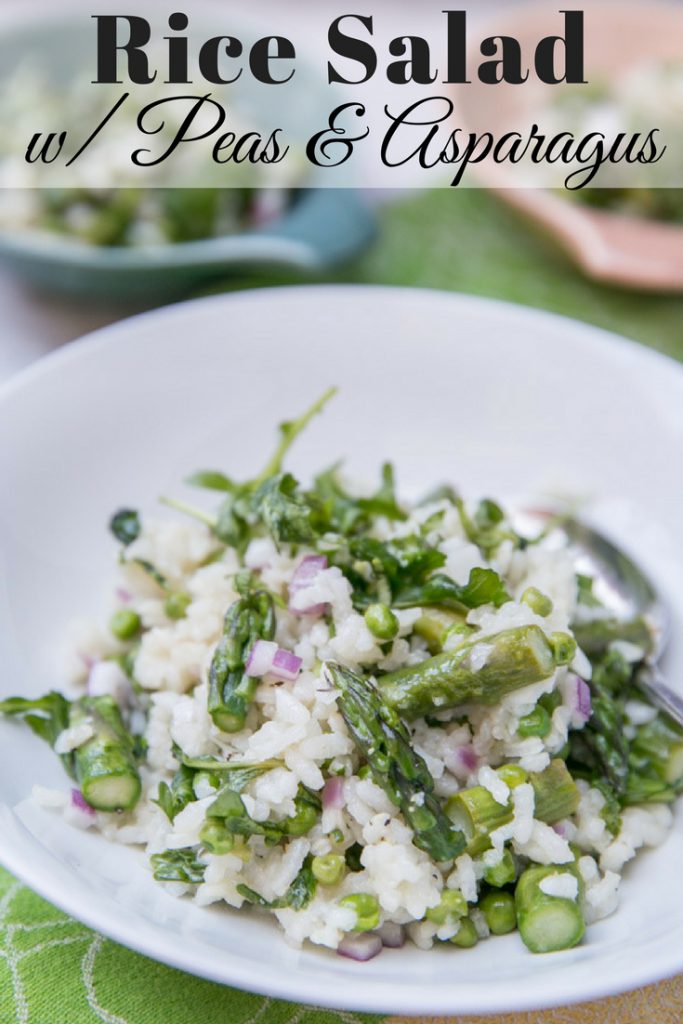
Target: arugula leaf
384	502
487	527
298	895
234	519
174	798
336	511
274	502
234	775
125	525
177	866
402	572
212	480
47	716
483	587
289	431
229	807
284	511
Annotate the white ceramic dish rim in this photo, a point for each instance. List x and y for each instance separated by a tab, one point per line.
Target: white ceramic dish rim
245	974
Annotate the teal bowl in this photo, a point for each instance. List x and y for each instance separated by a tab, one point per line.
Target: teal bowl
322	228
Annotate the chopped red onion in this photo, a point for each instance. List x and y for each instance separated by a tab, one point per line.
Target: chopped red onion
360	947
333	793
286	665
462	761
87	659
79	801
124	596
583	698
560	829
393	936
266	658
579	699
468	758
304	575
260	660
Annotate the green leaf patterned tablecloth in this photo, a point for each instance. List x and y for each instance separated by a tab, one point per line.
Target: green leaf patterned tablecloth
56	971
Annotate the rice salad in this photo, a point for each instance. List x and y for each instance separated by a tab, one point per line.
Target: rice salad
374	721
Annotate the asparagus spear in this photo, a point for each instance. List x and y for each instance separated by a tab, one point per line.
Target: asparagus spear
601	748
437	624
477	814
228	808
498	907
502	873
658	747
231	690
547	923
384	741
480	671
655	769
105	765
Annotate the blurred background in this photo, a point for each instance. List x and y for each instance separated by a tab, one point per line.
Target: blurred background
72	262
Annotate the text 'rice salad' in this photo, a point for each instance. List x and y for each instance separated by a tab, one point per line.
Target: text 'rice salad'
374	721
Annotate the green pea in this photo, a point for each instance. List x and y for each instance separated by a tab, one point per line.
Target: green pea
366	908
303	821
539	603
125	624
451	906
536	723
502	873
466	935
564	648
204	776
215	837
499	911
512	775
176	605
381	621
328	870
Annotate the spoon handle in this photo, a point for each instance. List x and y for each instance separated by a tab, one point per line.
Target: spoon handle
651	682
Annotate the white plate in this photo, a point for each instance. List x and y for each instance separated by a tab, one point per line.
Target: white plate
496	398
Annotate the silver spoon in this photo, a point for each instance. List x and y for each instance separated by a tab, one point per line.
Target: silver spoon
627	592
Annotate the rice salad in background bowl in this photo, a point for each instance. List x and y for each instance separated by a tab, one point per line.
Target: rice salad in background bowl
109	230
378	722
